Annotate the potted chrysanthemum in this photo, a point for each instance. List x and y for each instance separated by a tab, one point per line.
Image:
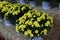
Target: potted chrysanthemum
34	24
16	11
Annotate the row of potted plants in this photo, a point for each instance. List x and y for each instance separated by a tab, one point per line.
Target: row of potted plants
28	21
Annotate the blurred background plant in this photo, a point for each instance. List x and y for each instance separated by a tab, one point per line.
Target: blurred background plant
54	3
12	1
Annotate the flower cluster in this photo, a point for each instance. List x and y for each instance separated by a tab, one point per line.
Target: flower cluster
16	11
34	23
4	6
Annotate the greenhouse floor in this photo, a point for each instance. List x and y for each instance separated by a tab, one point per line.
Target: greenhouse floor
10	34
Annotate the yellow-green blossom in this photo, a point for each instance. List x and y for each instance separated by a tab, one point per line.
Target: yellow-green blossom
32	19
36	24
15	13
31	35
47	23
51	18
41	32
34	16
27	22
32	25
38	14
26	33
22	26
30	22
24	7
45	31
36	31
29	31
17	28
38	19
29	15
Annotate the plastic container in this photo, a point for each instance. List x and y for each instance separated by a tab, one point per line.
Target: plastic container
22	2
45	5
37	38
33	3
7	23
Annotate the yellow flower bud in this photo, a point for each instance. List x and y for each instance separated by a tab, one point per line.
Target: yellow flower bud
24	7
34	16
38	13
30	22
36	24
31	35
27	22
22	26
29	31
25	33
38	19
17	28
51	18
15	13
32	19
41	32
36	31
32	25
45	31
22	29
47	23
29	15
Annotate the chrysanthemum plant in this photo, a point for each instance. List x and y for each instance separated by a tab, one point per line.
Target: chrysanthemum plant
34	23
16	11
